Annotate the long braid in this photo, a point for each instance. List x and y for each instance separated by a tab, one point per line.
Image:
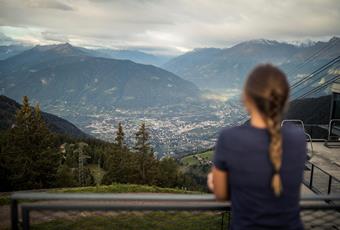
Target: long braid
273	121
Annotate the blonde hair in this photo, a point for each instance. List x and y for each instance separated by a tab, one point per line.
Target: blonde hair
268	88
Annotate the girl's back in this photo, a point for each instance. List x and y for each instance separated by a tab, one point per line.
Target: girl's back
243	152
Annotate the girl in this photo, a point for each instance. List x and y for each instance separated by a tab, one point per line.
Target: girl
259	166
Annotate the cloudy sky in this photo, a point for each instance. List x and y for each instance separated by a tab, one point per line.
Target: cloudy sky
166	26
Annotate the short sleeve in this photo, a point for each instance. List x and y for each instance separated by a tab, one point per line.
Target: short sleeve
220	155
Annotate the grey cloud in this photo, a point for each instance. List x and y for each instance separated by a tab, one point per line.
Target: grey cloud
172	26
51	4
54	36
5	40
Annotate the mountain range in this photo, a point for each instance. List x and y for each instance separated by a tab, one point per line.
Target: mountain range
88	86
8	108
213	68
78	76
67	74
132	55
10	47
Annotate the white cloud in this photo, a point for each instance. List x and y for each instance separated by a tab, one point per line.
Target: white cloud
50	36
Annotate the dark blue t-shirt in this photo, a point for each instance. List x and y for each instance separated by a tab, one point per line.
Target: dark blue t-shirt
242	151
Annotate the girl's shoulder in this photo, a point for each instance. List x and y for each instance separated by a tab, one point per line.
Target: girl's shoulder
247	131
293	129
242	131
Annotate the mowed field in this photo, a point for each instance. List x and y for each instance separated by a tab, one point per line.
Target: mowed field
192	160
118	220
139	220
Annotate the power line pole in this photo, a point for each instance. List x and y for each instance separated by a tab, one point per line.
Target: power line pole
81	160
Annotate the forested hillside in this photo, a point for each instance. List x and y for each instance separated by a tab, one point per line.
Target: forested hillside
32	157
8	108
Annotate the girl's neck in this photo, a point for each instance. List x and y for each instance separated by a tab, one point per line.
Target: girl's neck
257	121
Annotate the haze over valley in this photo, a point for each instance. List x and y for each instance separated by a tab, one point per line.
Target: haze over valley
179	66
184	102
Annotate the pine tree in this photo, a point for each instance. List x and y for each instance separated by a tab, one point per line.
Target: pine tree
119	164
17	152
168	173
29	155
119	140
147	163
23	123
65	177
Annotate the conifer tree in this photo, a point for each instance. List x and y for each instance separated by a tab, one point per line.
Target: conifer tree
147	163
118	162
23	123
168	173
29	155
119	140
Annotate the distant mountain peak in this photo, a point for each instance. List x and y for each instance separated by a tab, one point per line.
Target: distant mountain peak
306	43
63	49
334	39
262	41
311	43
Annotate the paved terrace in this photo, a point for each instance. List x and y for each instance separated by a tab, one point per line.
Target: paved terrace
328	159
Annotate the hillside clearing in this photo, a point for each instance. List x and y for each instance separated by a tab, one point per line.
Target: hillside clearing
195	159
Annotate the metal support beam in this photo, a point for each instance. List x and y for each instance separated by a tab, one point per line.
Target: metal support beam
14	214
25	218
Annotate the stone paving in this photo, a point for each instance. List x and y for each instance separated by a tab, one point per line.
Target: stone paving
328	159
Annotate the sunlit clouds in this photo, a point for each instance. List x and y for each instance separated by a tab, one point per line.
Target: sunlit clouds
167	27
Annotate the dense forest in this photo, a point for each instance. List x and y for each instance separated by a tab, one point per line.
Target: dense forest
33	157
